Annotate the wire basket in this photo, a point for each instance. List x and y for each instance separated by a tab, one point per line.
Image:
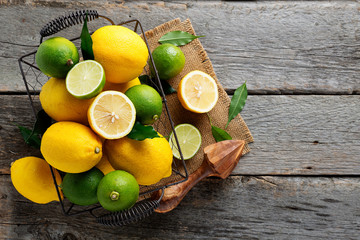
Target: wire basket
33	79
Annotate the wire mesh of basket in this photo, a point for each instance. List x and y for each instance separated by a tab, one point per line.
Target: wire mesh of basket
33	79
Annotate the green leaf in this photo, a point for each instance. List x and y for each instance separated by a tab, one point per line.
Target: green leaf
86	42
167	88
141	132
30	138
178	38
237	102
220	134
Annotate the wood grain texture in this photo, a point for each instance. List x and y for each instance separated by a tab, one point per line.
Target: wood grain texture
296	135
276	46
235	208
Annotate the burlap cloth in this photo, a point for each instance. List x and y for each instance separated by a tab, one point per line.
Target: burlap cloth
196	59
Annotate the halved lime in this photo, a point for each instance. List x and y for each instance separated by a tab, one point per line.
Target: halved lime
86	79
189	138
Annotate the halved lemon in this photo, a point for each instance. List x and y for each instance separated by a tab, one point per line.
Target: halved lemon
112	115
86	79
189	138
198	92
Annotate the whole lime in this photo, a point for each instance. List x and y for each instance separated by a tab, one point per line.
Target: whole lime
81	188
56	56
169	60
118	190
147	102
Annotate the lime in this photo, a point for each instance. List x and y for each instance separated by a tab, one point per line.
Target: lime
86	79
189	138
118	190
169	60
81	188
56	56
147	102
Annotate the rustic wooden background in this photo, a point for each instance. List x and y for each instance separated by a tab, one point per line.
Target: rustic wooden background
301	61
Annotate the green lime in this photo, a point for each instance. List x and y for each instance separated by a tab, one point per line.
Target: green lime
147	102
81	188
86	79
189	138
169	60
56	56
118	190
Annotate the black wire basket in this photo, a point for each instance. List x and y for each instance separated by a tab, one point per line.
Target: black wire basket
33	79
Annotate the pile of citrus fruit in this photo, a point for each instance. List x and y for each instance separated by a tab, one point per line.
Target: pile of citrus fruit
95	104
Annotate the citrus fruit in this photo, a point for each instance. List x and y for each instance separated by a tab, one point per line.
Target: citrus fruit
104	165
121	51
149	160
86	79
112	115
121	87
60	105
198	92
71	147
81	188
147	102
169	60
56	56
31	176
189	138
117	191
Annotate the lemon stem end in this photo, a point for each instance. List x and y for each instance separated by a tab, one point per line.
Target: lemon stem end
114	195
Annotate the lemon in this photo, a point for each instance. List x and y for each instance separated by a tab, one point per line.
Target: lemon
86	79
104	165
189	138
31	176
118	191
121	51
149	160
198	92
121	87
147	102
60	105
169	60
71	147
112	115
81	188
56	56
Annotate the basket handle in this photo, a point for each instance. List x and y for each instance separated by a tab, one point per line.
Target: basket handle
69	20
138	212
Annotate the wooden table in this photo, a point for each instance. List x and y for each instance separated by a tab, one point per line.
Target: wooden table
301	61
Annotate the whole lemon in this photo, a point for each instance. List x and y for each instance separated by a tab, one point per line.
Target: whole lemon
71	147
31	176
121	87
148	160
60	105
56	56
104	165
121	51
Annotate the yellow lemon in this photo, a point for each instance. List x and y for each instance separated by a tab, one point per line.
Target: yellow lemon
31	176
112	115
121	51
104	165
71	147
60	105
198	92
121	87
148	160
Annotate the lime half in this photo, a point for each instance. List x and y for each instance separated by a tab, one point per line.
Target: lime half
86	79
189	138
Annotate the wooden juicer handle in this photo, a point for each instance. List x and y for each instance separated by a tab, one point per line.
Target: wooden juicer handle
220	159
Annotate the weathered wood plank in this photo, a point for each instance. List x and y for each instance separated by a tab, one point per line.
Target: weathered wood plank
306	135
278	47
235	208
